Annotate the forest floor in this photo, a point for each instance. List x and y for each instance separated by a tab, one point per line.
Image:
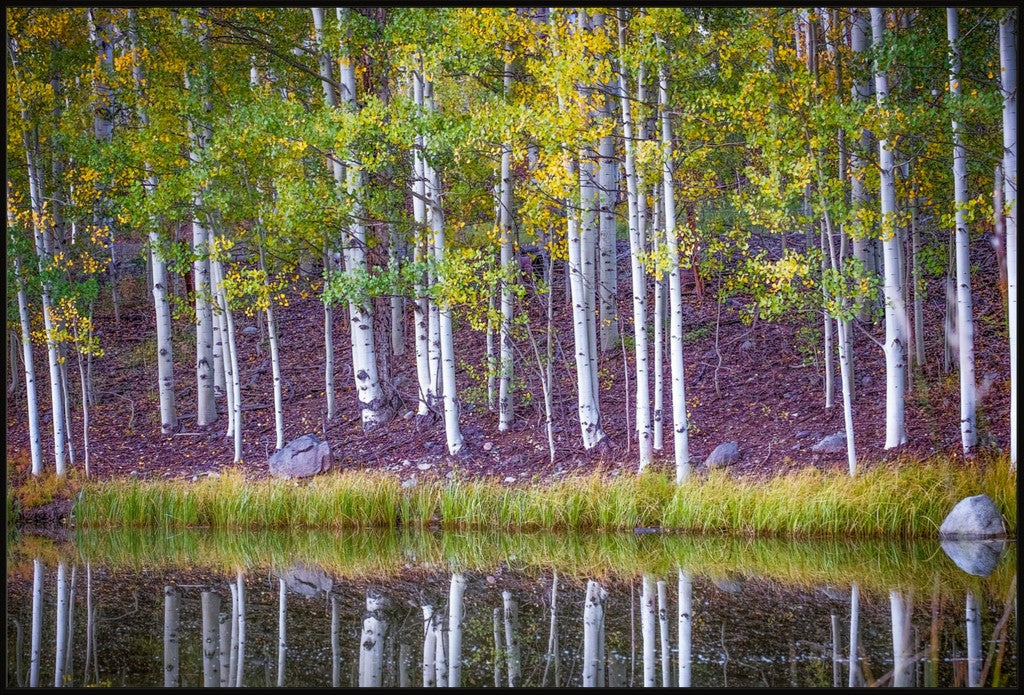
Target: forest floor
745	382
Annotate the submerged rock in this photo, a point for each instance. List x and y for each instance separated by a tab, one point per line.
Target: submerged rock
832	444
973	517
724	455
306	581
301	458
979	558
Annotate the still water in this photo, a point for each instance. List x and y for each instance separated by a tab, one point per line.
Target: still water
409	609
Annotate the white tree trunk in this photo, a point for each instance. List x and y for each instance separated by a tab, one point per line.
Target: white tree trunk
964	304
206	407
233	645
607	196
685	627
211	639
861	90
371	642
915	265
275	364
659	336
637	270
679	421
453	435
509	266
647	618
374	406
895	308
1008	64
397	301
335	641
231	358
511	615
456	617
440	662
35	436
593	617
224	632
42	245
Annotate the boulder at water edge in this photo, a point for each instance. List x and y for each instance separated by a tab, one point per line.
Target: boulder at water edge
723	455
973	556
973	517
301	458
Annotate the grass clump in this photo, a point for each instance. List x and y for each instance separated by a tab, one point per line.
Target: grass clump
905	499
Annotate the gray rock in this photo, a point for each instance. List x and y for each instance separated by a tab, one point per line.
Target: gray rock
724	455
747	344
410	482
835	593
832	444
424	466
733	584
801	434
250	330
979	558
306	581
409	415
973	517
301	458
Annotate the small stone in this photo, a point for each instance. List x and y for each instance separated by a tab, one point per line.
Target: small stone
409	415
747	344
488	446
832	444
800	434
406	462
865	381
510	479
795	447
411	482
250	330
424	466
429	445
491	580
724	455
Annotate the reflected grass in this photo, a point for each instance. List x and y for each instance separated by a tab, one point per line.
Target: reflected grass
375	554
901	500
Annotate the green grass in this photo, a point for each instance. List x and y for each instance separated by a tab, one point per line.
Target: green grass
876	565
899	500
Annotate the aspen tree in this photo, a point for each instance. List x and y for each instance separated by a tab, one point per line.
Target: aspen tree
1008	62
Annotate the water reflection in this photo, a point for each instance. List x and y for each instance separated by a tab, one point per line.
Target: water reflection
464	620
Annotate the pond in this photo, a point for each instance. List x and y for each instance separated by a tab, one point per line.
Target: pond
408	609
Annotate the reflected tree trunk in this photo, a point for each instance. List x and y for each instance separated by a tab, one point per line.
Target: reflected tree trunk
233	646
240	670
552	654
37	623
511	613
224	628
62	624
498	651
837	669
593	616
647	614
335	641
973	642
666	658
172	604
371	641
404	661
456	614
440	662
429	647
685	627
854	629
69	652
282	636
211	639
902	672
